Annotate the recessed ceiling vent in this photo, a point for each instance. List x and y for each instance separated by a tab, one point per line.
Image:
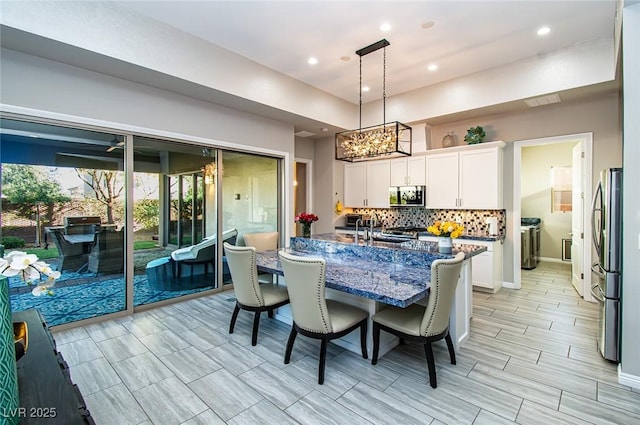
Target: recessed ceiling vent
543	100
304	133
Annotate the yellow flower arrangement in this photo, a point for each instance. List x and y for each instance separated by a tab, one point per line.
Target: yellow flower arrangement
446	229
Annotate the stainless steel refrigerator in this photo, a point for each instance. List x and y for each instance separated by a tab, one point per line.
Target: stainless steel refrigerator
606	219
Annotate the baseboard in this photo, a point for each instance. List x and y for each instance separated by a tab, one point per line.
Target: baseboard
510	285
628	379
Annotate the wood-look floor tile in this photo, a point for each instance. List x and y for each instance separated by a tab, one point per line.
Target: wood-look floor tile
594	411
317	408
94	376
335	384
143	325
190	364
80	351
276	385
434	402
115	405
204	337
378	408
516	385
106	330
163	342
495	400
142	370
603	372
584	341
225	393
379	376
262	413
208	417
533	342
487	418
235	358
619	397
481	342
122	347
555	378
534	414
70	335
519	317
169	402
495	323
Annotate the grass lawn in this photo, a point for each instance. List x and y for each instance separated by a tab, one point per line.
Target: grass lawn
52	252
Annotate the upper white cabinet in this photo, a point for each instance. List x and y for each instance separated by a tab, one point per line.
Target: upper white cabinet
366	184
467	177
409	171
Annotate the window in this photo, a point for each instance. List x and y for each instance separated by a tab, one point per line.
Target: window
561	189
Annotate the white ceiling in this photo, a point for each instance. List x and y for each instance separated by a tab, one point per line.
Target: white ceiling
467	36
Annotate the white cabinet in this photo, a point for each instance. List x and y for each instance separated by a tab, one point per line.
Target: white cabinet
408	171
366	184
467	177
486	267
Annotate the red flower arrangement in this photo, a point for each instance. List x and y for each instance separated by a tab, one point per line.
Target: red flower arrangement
306	218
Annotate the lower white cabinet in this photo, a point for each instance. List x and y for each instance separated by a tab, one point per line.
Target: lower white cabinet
486	267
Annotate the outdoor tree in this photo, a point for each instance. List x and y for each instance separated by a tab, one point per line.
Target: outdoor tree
31	189
107	186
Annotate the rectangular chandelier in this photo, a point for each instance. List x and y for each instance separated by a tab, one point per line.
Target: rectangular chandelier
390	140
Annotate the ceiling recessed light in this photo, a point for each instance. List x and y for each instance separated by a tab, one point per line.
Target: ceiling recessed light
324	129
312	61
385	27
365	88
345	58
427	24
544	30
432	67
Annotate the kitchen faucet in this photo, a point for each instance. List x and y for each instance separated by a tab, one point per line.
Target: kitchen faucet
355	238
372	220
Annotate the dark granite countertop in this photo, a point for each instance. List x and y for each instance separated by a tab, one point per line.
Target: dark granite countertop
385	272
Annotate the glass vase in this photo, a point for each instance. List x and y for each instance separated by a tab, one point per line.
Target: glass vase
445	245
306	230
9	402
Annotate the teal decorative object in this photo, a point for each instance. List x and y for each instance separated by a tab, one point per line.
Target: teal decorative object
475	135
9	402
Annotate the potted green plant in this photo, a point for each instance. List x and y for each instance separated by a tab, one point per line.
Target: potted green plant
475	135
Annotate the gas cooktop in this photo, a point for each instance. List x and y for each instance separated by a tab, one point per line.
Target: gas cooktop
407	231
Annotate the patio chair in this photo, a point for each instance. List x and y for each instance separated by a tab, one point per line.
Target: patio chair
107	254
202	253
70	256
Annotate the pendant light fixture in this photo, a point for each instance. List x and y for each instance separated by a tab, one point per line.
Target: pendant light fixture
386	140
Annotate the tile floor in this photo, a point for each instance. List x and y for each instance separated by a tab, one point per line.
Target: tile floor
531	359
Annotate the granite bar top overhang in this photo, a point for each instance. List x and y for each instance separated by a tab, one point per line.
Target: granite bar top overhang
385	272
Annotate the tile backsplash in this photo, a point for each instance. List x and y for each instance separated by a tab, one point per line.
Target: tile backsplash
472	220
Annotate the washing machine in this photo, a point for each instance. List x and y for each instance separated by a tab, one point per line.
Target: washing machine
529	242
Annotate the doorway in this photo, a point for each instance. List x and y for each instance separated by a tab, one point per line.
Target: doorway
580	228
302	191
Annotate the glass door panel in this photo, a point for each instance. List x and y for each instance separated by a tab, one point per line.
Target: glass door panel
66	199
170	213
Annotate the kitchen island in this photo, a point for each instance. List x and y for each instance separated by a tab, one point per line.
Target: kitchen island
371	276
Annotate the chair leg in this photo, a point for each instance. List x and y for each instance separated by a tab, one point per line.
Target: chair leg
256	323
323	360
363	339
452	353
234	316
376	343
292	338
431	365
270	314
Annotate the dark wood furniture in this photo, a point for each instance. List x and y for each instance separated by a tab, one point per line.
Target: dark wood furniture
47	395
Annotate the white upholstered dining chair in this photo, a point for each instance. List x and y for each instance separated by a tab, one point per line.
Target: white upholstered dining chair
424	324
250	294
315	316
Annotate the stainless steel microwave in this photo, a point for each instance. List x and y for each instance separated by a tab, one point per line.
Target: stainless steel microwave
406	196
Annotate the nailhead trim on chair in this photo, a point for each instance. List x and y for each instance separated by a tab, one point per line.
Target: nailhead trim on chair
437	299
319	287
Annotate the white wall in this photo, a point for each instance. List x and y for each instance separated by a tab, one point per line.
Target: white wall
630	367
